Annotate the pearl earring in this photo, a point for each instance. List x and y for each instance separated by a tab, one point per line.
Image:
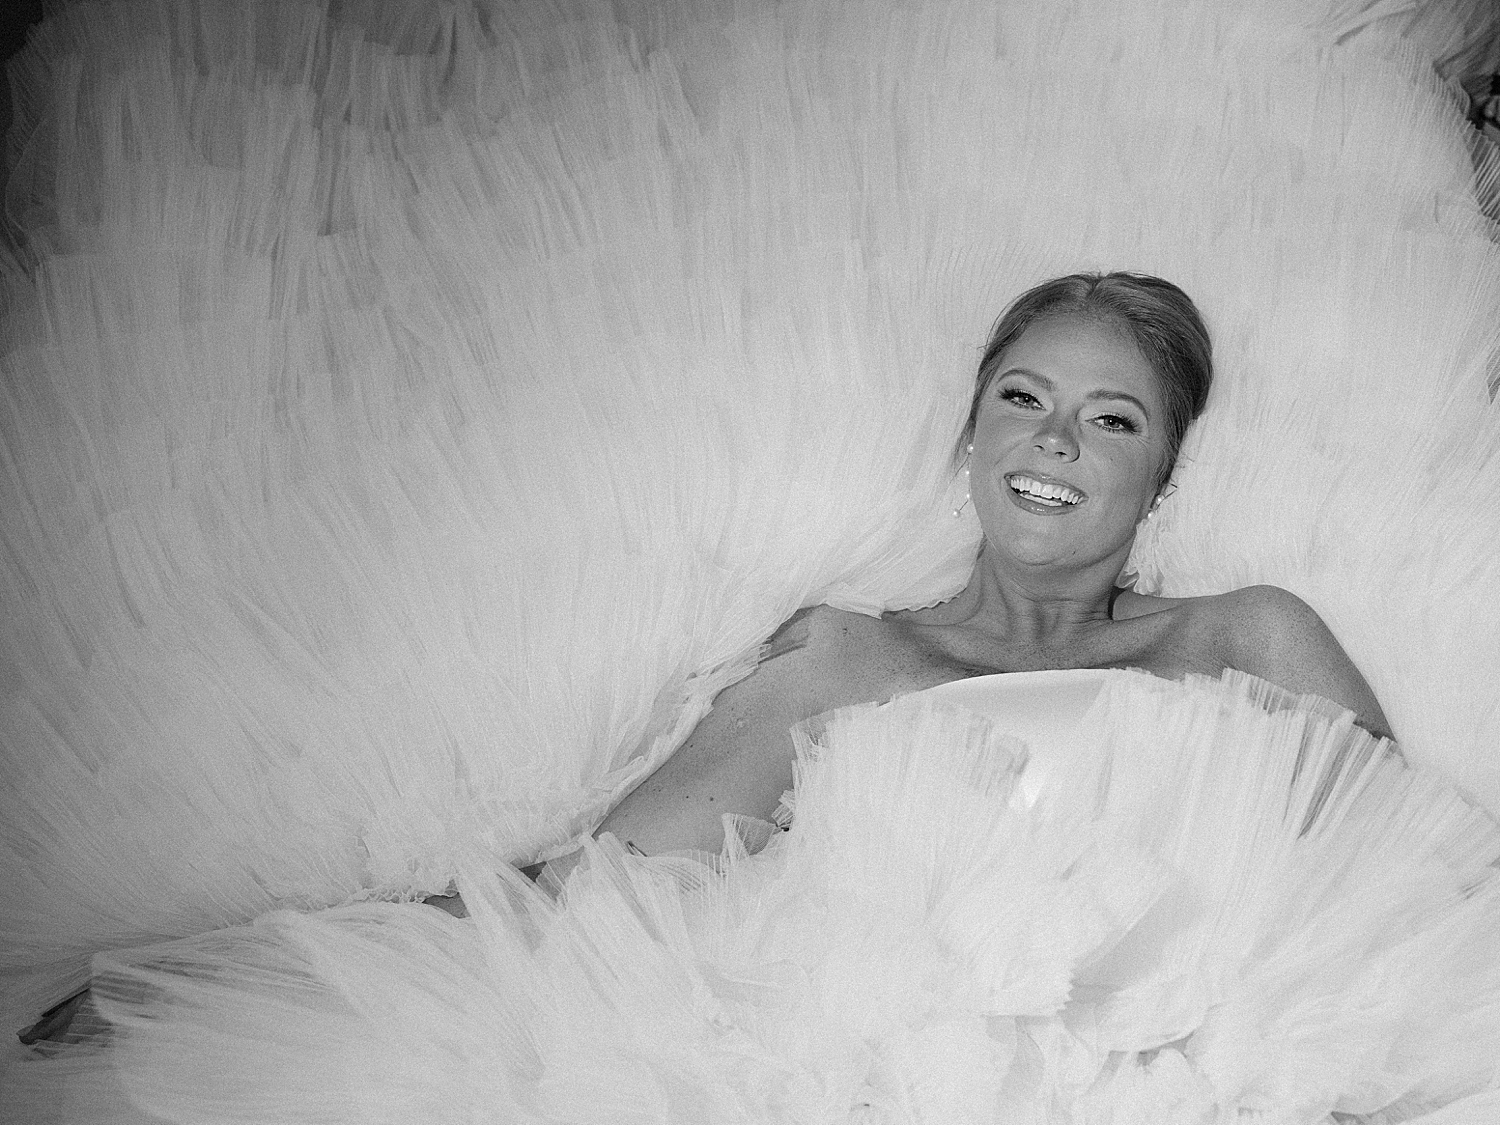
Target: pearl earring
958	511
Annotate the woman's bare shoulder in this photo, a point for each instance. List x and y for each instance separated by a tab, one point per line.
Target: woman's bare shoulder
821	629
1275	635
1236	624
840	657
1275	631
1256	613
822	637
1270	603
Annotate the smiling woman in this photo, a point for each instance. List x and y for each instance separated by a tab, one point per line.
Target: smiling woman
1082	398
1156	315
1071	425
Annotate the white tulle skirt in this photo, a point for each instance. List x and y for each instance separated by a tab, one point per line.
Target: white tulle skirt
1215	903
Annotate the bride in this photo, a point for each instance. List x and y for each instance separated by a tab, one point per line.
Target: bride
1083	395
1261	911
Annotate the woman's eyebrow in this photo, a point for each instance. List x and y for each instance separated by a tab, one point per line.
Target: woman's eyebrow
1092	396
1121	396
1037	375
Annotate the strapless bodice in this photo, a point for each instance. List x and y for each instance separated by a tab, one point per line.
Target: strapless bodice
1044	709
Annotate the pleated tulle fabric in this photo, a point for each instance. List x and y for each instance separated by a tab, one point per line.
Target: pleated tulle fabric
411	414
1226	904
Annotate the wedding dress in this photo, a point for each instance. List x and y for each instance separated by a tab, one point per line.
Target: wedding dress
1041	897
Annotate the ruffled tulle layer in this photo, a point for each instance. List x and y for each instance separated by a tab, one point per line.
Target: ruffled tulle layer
1225	902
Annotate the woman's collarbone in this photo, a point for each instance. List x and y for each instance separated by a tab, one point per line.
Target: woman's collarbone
1162	643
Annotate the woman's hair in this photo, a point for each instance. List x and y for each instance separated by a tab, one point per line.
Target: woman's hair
1160	318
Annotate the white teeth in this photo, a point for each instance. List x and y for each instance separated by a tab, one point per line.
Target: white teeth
1054	493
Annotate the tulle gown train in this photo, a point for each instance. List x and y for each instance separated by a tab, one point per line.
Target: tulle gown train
1220	900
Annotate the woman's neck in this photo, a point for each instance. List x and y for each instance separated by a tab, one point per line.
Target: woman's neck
1050	610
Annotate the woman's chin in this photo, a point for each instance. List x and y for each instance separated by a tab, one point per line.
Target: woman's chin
1027	548
1037	543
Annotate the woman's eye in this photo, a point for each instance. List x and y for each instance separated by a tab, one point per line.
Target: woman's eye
1117	422
1019	397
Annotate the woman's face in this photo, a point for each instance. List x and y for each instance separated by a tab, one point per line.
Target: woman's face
1069	442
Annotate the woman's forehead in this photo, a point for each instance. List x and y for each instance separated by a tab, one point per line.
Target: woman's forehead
1081	348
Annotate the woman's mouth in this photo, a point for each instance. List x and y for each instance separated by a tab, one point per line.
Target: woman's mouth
1043	492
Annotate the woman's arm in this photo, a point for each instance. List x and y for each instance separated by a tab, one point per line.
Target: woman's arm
1277	636
739	757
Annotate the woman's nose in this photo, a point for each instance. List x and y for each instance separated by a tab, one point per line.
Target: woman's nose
1057	441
